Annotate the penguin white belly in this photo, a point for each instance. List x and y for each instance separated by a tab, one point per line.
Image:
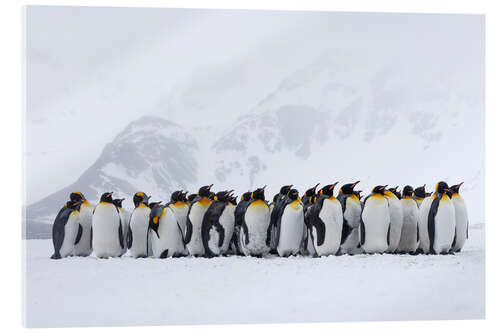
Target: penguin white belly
376	220
352	215
409	232
105	224
139	223
462	222
444	226
84	246
168	242
181	210
227	221
70	232
196	214
213	242
291	230
423	229
331	215
396	222
257	218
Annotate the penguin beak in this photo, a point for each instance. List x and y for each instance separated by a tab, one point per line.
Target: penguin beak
315	187
355	183
210	186
109	194
459	185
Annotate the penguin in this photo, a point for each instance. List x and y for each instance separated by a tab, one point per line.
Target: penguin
408	242
308	195
461	218
254	236
290	226
325	220
423	217
395	191
441	221
276	213
375	222
227	221
213	233
197	210
107	232
124	218
83	247
179	205
396	223
138	241
66	229
191	198
351	208
165	232
239	213
419	195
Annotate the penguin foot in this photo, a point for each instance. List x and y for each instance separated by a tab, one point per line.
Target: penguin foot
55	256
164	254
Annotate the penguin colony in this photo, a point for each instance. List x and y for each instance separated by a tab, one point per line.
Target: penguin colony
209	224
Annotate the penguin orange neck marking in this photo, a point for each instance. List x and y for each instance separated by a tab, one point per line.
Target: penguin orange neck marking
142	205
333	198
204	201
390	195
258	202
354	197
178	204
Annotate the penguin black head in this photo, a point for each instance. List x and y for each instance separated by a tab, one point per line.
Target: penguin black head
456	188
223	196
312	191
183	196
118	202
285	189
442	187
191	197
232	199
420	192
247	196
293	194
77	196
107	197
328	189
395	191
154	204
258	194
407	191
275	198
140	197
358	194
379	189
176	196
73	205
204	191
348	188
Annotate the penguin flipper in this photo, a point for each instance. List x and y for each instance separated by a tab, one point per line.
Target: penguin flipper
418	234
220	229
389	236
189	230
361	232
91	234
79	234
244	227
467	230
431	222
58	231
346	231
120	234
129	237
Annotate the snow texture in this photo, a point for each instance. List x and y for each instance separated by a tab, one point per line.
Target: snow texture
224	290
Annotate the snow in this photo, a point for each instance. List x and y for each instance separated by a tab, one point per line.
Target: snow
126	291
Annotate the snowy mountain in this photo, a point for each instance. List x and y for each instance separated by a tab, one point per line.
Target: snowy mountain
323	123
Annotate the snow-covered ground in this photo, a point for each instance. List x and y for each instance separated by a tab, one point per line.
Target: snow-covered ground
126	291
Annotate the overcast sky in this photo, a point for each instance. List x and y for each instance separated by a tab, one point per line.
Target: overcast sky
93	70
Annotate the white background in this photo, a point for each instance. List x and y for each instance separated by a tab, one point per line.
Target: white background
12	141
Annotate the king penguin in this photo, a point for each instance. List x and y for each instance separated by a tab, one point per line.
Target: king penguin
409	232
138	241
179	204
65	229
441	221
396	216
290	227
84	245
124	218
165	232
276	213
197	210
419	195
254	236
375	222
461	219
213	233
351	209
239	213
308	199
325	220
107	232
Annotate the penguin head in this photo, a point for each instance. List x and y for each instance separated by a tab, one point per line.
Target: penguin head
140	197
154	204
358	194
73	205
348	188
395	191
312	191
247	196
176	196
258	194
293	194
204	191
223	196
442	187
183	196
407	191
328	189
232	199
420	192
380	189
285	189
118	202
191	197
107	197
275	198
456	188
77	196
